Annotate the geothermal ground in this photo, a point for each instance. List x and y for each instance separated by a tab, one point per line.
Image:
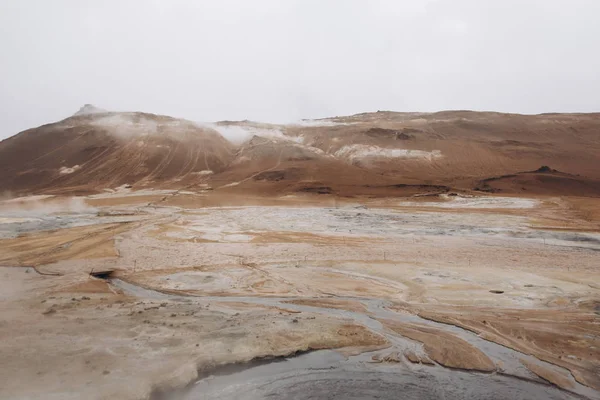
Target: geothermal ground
192	295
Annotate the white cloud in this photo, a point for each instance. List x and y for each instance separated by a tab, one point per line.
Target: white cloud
240	133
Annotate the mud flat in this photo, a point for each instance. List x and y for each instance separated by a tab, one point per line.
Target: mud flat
326	375
459	297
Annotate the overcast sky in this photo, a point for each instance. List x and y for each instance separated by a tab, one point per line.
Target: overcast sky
282	60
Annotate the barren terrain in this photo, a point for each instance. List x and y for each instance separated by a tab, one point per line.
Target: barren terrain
489	285
378	154
449	255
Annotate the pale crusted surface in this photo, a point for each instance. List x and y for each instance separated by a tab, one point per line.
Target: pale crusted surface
80	344
295	275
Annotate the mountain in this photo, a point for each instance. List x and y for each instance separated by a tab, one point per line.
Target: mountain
378	154
90	109
460	147
92	151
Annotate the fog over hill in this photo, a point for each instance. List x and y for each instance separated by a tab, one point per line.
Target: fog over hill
364	154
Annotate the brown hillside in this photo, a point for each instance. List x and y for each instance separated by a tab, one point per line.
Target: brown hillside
381	154
104	150
543	181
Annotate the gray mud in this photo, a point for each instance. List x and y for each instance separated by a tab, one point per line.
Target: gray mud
329	375
49	222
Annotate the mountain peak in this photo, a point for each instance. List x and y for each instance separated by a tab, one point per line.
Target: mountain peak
89	109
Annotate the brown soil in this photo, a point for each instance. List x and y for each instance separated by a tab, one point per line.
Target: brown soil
568	338
310	238
558	379
549	183
89	286
86	242
444	348
331	303
147	150
131	148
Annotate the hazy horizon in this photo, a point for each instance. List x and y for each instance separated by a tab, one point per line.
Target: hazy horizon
282	61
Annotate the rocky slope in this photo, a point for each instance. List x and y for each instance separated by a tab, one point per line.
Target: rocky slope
380	154
92	151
